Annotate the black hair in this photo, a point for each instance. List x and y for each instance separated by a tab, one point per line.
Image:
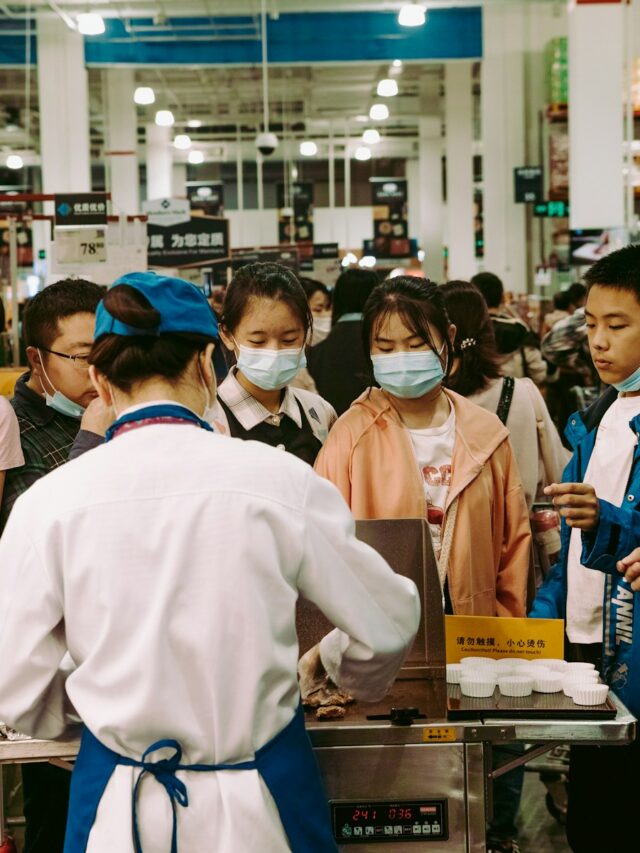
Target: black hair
576	293
419	303
127	360
351	292
620	269
312	286
562	301
269	281
475	342
62	299
490	287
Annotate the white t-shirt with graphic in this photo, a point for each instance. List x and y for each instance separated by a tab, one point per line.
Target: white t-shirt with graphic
434	451
608	472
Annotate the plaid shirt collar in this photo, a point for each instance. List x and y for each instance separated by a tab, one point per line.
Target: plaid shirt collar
30	405
249	411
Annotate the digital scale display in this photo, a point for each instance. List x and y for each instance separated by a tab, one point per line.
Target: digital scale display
390	821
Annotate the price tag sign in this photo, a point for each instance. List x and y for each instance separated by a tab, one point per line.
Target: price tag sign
80	246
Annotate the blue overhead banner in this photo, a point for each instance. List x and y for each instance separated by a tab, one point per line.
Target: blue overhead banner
293	38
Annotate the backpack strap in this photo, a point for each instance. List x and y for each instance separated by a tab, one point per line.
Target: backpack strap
506	398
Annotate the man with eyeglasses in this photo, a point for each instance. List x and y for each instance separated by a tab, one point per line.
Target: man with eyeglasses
50	400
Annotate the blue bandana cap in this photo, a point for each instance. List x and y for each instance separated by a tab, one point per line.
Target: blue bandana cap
182	307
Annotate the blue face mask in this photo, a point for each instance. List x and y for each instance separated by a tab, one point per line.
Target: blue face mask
408	374
630	384
270	369
58	400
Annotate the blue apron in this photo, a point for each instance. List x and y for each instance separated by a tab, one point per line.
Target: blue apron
286	763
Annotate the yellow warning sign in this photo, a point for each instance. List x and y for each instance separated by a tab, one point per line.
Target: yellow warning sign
501	637
439	734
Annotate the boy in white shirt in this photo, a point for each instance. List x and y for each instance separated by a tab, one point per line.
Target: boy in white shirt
599	502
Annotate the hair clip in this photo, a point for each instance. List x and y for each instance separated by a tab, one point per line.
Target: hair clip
468	342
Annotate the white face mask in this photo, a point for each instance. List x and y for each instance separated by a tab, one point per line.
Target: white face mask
58	401
270	369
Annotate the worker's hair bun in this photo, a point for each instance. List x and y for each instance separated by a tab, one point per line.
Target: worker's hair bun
128	305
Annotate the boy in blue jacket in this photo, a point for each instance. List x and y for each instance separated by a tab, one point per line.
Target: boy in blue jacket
599	502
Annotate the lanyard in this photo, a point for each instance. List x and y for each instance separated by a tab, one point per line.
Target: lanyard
163	413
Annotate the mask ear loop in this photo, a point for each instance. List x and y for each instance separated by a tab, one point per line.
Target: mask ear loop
46	375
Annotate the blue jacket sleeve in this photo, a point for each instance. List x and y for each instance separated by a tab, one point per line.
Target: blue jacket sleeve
617	534
551	599
84	442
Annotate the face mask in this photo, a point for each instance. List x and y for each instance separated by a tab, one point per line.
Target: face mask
630	384
58	401
270	369
408	374
322	324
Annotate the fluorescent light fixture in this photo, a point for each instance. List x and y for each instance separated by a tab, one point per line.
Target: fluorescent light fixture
412	15
371	136
349	259
164	118
379	112
387	88
14	161
144	95
397	63
182	142
363	153
362	118
196	157
204	192
367	262
421	255
308	148
194	123
90	24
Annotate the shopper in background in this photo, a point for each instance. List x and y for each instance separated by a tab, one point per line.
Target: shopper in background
411	449
516	343
561	305
11	455
338	365
166	566
319	300
599	501
266	321
49	401
476	374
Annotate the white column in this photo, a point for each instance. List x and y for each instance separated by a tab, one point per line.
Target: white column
159	161
429	190
596	58
503	138
64	108
459	147
122	141
179	180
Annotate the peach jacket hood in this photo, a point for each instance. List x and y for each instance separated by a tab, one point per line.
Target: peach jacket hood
369	456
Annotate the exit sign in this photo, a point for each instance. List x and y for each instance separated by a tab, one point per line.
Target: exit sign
551	209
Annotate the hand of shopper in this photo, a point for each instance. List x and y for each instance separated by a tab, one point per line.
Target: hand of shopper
577	503
630	568
97	417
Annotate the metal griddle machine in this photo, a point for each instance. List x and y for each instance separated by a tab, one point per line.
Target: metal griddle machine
400	774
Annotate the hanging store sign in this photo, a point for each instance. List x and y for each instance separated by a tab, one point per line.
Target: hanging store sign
390	225
496	637
80	245
551	209
528	184
73	209
295	222
167	211
287	257
207	197
199	240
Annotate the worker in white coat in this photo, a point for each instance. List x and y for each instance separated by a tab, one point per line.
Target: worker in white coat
149	587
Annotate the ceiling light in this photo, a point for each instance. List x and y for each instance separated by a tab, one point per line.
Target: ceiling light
204	192
349	259
363	153
196	157
379	112
182	142
164	118
144	95
367	262
14	161
194	122
90	24
397	63
308	148
387	88
412	15
362	118
371	136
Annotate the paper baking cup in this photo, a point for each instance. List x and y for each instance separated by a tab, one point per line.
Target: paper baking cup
454	672
478	687
515	685
506	666
576	682
551	683
478	660
574	667
594	694
536	670
555	664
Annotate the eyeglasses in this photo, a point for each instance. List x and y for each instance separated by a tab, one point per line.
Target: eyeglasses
80	362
